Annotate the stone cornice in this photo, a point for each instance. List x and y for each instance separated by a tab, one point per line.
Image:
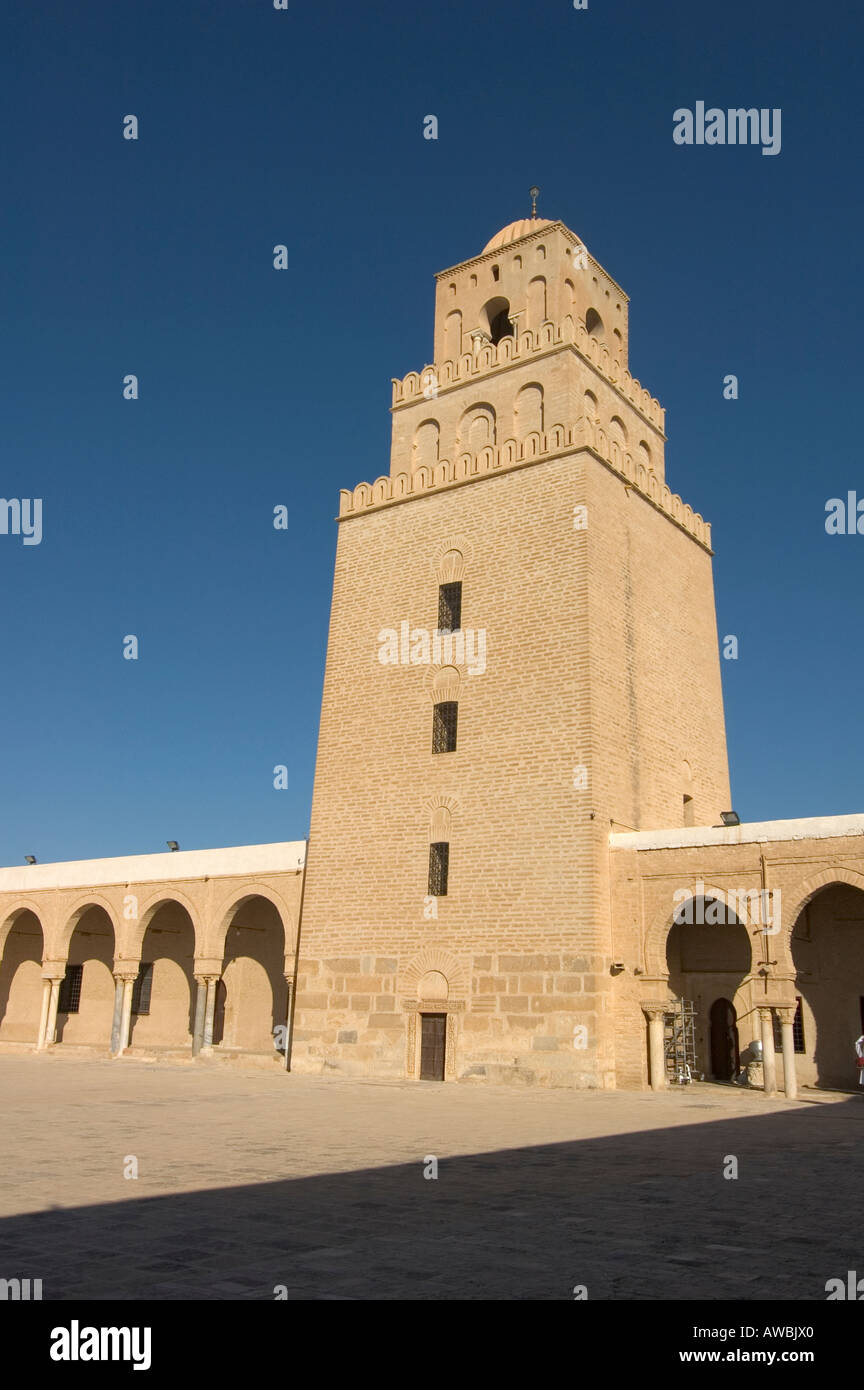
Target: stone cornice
182	866
556	442
531	346
755	832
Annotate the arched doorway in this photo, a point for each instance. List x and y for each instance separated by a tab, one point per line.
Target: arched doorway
219	1013
21	980
725	1055
828	954
432	995
708	954
255	998
162	999
86	1004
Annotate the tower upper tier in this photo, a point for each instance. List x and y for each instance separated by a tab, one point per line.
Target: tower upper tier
531	272
530	351
530	366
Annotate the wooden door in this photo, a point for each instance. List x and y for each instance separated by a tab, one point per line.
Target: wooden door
724	1041
433	1036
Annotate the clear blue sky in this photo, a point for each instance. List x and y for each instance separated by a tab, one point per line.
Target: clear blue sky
260	387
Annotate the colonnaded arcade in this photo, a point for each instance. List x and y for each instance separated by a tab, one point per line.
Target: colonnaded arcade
177	954
522	863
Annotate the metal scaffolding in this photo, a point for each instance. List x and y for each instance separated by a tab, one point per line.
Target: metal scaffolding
679	1042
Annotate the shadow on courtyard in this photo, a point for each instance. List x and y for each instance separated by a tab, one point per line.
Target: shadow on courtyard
646	1215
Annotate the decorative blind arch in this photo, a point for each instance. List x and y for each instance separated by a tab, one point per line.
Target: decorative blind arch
477	428
451	567
441	809
536	302
445	685
425	451
528	411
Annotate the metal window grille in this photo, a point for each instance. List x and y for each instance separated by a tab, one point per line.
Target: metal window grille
439	864
797	1030
142	988
69	998
450	607
444	720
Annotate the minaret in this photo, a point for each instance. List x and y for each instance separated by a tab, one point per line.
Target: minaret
522	657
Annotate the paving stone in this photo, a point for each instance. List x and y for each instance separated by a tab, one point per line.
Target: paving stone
537	1191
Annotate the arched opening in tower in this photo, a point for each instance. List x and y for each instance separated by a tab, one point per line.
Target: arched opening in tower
497	316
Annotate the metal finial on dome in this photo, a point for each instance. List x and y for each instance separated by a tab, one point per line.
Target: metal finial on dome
535	194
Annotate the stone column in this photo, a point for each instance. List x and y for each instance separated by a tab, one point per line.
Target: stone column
117	1018
200	1006
43	1017
128	982
790	1078
656	1058
53	1001
769	1061
209	1012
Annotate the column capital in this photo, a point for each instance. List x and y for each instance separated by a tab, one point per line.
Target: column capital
125	965
656	1008
207	966
54	969
766	1012
786	1013
126	976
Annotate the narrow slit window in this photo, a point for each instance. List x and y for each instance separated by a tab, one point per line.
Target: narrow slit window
450	607
444	720
439	865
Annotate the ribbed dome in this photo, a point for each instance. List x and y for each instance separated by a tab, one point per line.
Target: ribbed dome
515	231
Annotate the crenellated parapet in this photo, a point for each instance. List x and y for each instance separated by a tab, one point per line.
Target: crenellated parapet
490	357
514	453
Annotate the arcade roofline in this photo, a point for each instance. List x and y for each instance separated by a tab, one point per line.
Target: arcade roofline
686	837
282	857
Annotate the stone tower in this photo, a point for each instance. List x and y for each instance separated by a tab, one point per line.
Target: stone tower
522	658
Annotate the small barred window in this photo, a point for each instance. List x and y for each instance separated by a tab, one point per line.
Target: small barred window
450	607
439	864
142	988
69	999
444	719
797	1030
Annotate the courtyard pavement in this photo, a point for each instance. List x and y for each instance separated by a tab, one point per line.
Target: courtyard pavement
249	1182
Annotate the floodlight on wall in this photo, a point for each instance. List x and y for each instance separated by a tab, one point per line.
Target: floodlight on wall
172	844
29	858
729	818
